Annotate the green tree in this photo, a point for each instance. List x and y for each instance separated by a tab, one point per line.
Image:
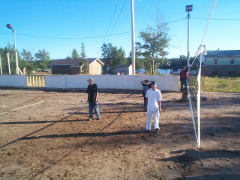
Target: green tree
42	58
68	57
27	61
75	54
112	57
3	51
83	53
26	55
139	62
155	42
86	67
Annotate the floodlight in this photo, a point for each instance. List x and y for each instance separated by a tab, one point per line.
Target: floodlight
189	8
9	26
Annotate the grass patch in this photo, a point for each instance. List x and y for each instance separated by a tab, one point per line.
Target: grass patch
220	84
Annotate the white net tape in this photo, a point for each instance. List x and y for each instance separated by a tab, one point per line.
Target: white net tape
194	71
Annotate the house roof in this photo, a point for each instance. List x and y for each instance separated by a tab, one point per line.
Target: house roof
73	62
223	53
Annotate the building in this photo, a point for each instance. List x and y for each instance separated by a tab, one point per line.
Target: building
77	66
222	63
124	69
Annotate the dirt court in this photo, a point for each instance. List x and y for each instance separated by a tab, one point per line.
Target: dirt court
47	135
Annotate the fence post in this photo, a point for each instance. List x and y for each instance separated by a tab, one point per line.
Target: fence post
9	69
1	63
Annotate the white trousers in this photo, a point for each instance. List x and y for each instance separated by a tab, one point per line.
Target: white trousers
156	116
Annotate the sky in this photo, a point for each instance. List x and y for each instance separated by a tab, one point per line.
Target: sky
59	26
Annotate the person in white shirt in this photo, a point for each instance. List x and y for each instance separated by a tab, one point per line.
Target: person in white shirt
154	99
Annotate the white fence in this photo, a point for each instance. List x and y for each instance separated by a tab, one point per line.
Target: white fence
165	83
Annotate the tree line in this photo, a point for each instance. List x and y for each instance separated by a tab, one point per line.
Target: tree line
150	54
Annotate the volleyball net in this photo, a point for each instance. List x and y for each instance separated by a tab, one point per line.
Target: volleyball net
194	81
194	93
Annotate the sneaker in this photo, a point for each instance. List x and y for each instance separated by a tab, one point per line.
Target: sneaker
157	130
90	119
98	118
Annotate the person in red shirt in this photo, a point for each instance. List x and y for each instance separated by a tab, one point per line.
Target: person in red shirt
184	78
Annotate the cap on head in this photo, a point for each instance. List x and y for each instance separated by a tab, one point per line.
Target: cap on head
146	80
90	79
154	82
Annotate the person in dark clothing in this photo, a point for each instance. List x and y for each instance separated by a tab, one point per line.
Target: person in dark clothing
184	78
92	91
146	85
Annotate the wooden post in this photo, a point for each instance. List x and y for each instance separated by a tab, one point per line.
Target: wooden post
184	95
9	68
0	64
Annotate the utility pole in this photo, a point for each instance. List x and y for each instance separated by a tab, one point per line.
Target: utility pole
133	39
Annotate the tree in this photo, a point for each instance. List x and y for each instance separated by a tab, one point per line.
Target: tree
26	55
27	60
178	63
155	42
3	51
83	53
75	54
112	57
68	57
43	59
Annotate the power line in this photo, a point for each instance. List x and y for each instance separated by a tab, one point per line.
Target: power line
102	36
118	17
218	19
111	21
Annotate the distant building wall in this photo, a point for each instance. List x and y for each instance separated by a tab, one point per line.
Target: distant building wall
224	70
221	66
61	69
95	68
125	70
75	70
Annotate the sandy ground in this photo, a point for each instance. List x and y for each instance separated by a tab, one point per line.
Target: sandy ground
47	135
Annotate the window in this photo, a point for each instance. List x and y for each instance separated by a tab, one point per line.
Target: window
215	61
67	67
56	68
232	61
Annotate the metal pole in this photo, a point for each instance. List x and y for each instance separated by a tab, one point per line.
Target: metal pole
16	56
133	39
188	61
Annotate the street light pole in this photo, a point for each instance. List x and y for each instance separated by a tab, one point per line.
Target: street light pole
133	39
9	26
188	9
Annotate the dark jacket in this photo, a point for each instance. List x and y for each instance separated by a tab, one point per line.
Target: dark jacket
183	74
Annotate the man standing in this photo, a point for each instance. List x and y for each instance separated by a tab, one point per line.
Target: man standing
154	99
184	78
93	99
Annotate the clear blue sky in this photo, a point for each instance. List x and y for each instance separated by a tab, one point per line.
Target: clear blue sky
59	26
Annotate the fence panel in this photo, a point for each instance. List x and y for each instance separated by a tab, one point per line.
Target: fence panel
36	81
